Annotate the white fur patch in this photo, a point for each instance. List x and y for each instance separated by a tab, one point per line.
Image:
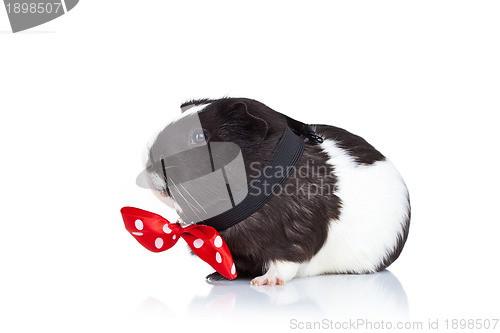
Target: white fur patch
157	181
374	202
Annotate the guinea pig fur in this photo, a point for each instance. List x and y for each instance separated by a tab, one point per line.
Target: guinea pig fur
346	211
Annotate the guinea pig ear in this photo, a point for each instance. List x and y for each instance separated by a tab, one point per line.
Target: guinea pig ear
249	123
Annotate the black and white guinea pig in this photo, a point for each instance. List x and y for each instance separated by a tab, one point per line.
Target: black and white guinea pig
359	225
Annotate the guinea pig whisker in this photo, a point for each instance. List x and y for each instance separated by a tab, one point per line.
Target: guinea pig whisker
193	198
189	204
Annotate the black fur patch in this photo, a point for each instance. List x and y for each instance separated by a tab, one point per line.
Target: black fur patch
356	146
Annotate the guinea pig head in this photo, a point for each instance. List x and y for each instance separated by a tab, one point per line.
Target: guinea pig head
202	162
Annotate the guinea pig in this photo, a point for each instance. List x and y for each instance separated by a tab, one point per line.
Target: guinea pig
345	209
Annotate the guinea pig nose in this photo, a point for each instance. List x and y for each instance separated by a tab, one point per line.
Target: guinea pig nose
164	194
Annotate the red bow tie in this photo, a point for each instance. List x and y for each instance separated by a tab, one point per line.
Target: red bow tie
156	234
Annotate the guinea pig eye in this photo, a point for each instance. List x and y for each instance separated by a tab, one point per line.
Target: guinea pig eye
199	136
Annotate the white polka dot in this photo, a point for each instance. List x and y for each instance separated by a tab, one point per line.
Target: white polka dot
218	258
218	241
139	225
233	269
198	243
137	233
166	229
174	237
159	243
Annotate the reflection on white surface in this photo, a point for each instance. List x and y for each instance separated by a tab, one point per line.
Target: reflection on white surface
332	297
335	296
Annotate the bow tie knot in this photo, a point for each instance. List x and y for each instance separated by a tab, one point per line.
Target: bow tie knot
157	234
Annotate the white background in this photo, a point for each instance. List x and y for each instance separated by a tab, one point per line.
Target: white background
81	96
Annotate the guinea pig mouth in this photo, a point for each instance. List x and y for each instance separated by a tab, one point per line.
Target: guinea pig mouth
164	194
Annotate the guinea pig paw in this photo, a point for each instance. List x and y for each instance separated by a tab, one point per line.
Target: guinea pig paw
265	280
278	273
